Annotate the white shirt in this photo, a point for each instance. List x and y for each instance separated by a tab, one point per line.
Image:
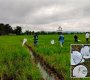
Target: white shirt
87	35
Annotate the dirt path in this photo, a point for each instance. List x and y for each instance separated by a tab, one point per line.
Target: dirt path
48	72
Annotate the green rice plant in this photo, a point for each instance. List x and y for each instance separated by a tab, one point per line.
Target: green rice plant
57	56
15	60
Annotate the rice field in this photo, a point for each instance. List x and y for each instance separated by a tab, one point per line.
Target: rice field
16	62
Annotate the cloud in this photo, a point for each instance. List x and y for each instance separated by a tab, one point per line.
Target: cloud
46	14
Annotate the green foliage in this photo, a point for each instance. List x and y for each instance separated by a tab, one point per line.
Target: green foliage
18	30
15	60
57	56
5	29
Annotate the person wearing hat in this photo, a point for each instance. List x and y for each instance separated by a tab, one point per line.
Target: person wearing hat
35	39
87	37
76	38
61	39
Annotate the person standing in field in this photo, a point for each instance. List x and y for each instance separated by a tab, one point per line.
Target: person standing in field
76	38
35	39
87	37
61	39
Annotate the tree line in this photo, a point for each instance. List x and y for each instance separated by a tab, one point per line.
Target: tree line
6	29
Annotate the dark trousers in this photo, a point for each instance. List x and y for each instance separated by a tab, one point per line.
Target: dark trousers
76	40
35	42
87	40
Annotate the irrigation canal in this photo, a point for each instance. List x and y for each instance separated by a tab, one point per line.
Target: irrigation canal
48	72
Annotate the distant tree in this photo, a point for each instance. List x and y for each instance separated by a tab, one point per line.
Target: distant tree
8	29
1	28
27	32
5	29
32	32
18	30
43	32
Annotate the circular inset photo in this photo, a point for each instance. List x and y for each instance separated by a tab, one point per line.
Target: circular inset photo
85	51
80	71
76	58
80	60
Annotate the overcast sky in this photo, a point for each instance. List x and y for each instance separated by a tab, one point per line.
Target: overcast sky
72	15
